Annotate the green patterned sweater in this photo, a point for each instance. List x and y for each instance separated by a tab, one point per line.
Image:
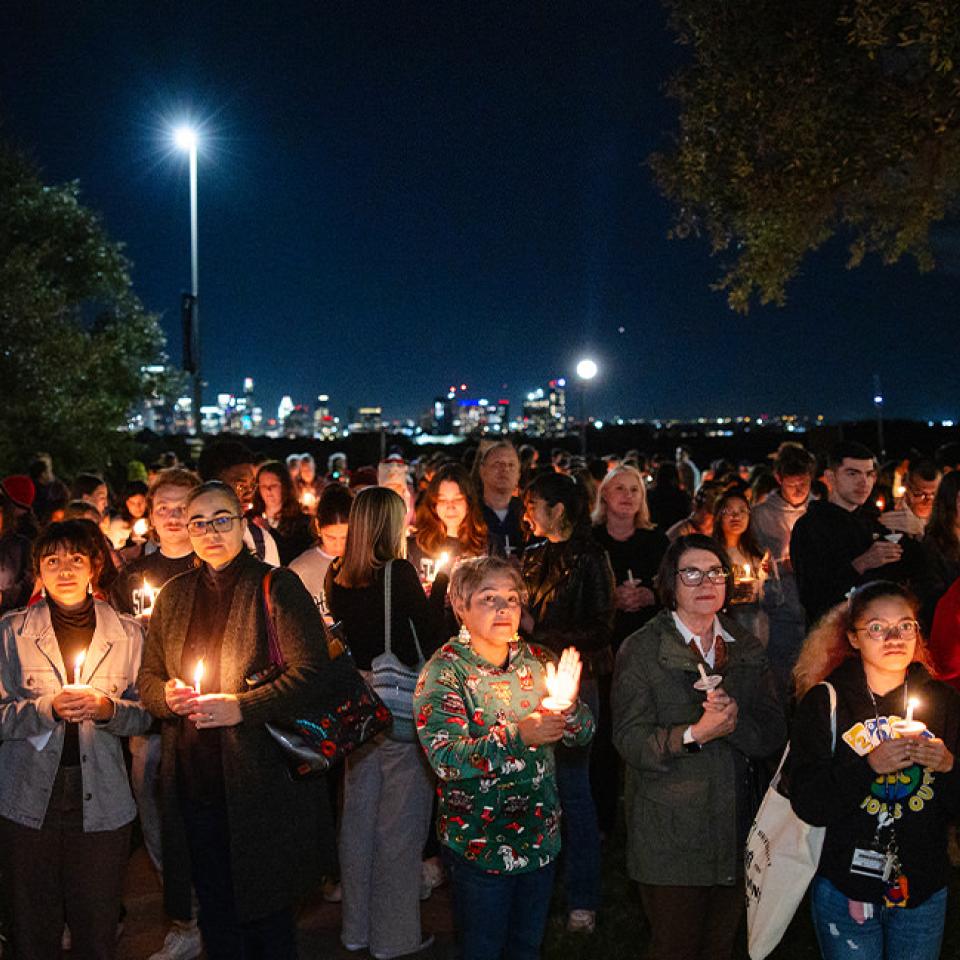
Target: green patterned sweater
499	806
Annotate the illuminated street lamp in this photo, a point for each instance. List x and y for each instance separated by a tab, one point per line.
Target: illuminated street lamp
185	138
586	371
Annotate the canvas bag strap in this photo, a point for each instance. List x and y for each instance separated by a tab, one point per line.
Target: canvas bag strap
833	732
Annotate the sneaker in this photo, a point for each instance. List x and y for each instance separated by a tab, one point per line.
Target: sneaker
581	921
431	876
332	891
181	943
354	947
389	955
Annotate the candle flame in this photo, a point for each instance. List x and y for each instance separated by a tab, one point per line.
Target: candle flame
442	561
912	705
141	527
198	675
308	498
881	504
746	569
78	663
561	687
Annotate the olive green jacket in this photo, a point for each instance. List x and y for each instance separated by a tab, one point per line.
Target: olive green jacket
688	813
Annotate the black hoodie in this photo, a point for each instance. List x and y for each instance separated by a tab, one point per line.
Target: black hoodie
843	793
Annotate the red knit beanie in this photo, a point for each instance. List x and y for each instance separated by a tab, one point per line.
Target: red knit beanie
20	489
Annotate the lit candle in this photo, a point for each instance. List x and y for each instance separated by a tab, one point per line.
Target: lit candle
140	528
147	598
629	575
308	499
439	564
563	684
77	664
198	676
881	504
909	727
747	574
900	491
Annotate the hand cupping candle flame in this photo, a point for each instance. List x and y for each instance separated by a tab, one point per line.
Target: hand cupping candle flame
563	682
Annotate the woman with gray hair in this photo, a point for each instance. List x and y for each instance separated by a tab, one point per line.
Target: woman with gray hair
488	729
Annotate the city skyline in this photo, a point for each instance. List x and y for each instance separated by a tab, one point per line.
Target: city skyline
392	203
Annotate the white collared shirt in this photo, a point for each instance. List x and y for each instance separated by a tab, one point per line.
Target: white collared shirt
709	656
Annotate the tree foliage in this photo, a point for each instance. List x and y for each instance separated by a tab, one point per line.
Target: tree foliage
73	335
799	121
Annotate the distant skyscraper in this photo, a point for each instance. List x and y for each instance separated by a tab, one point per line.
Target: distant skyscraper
284	410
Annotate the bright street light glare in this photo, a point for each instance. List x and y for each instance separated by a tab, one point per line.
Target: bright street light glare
185	138
586	369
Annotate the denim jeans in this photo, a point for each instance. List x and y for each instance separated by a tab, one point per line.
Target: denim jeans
893	933
499	916
581	832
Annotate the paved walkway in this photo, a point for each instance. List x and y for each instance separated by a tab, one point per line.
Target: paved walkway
319	923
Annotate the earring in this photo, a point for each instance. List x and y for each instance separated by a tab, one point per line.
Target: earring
89	589
464	635
43	593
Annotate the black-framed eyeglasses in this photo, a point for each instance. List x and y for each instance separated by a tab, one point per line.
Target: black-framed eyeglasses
693	576
878	630
922	496
200	528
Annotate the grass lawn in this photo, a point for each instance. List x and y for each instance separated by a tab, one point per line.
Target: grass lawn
622	930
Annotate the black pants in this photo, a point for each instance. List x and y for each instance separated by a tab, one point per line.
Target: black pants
59	874
693	923
225	937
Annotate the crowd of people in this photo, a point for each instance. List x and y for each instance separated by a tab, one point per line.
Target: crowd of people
629	639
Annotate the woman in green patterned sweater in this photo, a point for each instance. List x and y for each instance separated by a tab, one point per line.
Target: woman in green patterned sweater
487	735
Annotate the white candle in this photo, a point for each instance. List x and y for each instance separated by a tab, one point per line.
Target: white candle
439	564
141	527
911	706
77	664
629	575
506	542
703	672
198	677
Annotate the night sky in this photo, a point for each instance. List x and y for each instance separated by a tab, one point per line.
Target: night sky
396	197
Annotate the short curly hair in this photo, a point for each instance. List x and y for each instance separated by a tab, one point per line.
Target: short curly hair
469	575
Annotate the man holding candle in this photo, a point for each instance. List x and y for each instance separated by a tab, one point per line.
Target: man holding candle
888	789
836	545
65	803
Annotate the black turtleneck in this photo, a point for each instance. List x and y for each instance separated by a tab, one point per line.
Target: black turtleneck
200	763
73	629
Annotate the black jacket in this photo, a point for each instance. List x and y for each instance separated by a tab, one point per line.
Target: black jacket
16	572
571	595
843	793
825	542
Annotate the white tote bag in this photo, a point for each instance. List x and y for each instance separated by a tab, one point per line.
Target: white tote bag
781	857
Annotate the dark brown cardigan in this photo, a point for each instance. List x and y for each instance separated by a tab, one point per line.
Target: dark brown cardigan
281	831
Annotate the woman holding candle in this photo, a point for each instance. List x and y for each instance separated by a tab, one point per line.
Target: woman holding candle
276	507
388	786
622	526
65	803
482	719
748	562
885	794
251	838
688	748
570	586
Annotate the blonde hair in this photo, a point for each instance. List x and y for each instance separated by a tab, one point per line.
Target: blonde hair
641	520
828	645
375	535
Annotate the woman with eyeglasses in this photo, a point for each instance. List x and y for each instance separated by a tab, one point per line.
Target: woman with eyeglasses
250	837
68	670
689	746
749	563
886	793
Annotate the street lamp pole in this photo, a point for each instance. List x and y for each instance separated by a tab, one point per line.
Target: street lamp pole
186	139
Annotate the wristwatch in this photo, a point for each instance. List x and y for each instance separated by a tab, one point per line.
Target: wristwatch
689	743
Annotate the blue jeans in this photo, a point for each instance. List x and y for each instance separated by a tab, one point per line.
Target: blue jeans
499	916
581	832
893	933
